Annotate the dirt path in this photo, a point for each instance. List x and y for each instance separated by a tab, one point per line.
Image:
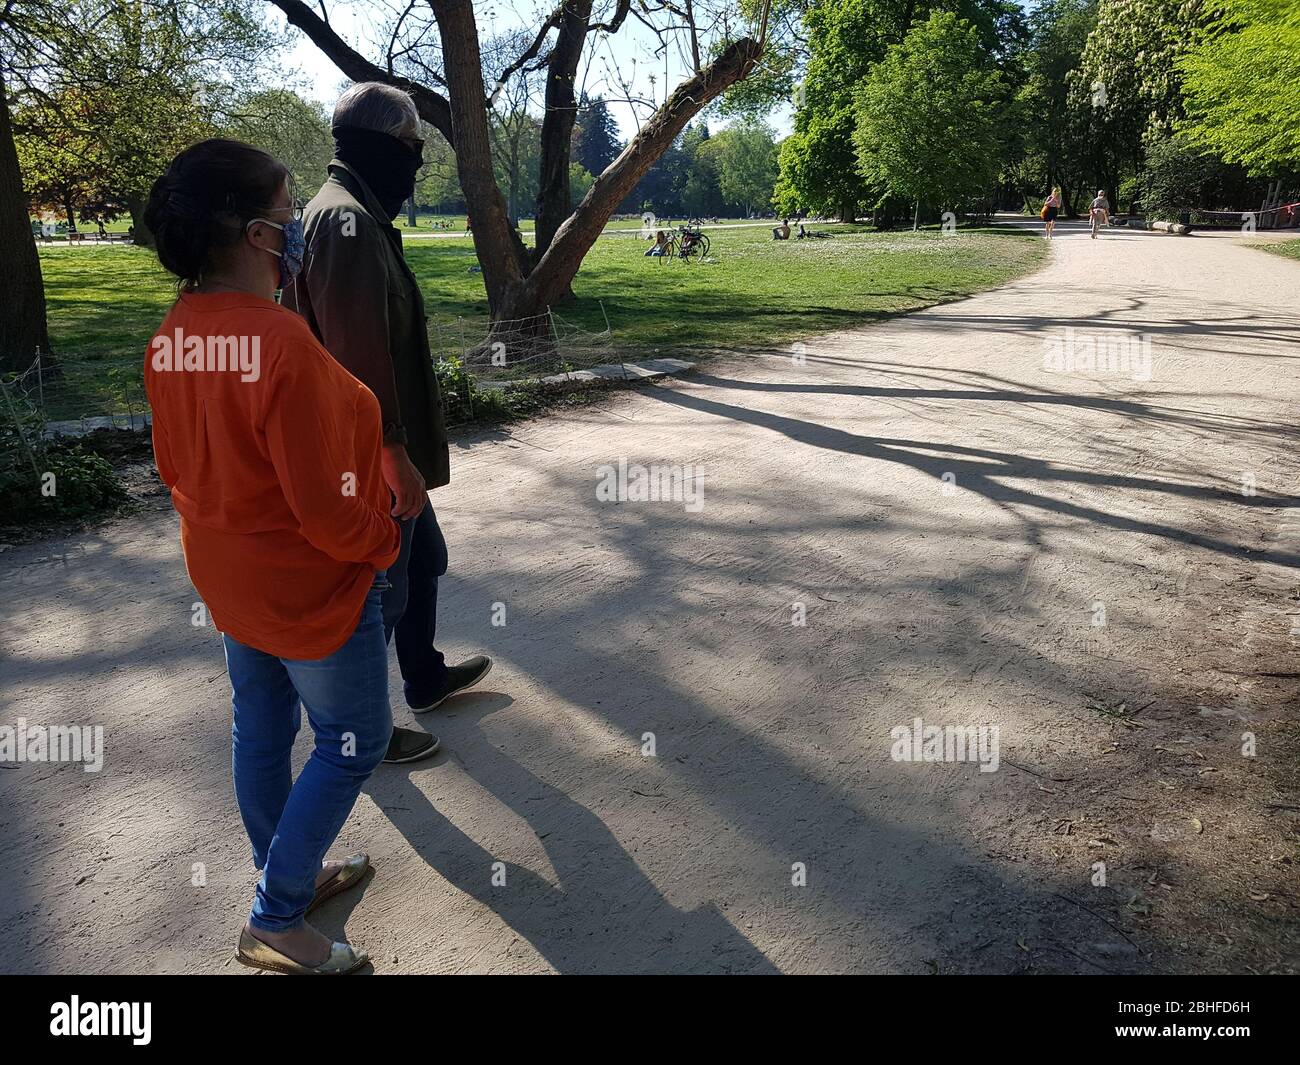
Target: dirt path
962	600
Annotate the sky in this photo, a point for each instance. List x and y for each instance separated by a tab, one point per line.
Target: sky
630	54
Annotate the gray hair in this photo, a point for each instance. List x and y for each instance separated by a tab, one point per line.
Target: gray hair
379	107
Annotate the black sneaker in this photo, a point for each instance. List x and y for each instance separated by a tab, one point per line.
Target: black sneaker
410	745
460	677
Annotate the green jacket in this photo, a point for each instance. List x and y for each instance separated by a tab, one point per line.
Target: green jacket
363	303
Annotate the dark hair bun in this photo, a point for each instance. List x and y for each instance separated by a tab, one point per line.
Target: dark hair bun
198	207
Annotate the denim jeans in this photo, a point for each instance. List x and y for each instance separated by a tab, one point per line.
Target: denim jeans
411	605
293	823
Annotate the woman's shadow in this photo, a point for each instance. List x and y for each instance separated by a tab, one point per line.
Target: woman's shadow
604	916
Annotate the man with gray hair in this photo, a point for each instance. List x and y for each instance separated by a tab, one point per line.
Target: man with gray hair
361	299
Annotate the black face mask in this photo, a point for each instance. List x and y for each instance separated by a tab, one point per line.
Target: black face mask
383	162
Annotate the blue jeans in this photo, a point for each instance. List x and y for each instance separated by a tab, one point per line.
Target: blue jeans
411	606
293	823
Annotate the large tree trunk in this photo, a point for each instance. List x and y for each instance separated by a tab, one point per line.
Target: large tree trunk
473	139
23	328
554	202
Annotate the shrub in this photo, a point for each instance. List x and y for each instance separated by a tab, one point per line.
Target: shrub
48	481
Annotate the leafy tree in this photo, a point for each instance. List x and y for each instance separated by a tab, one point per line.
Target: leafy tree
1180	173
1048	153
928	117
701	195
817	161
1242	92
56	157
579	181
517	143
846	39
744	158
661	188
436	185
437	53
1127	90
115	113
294	130
595	136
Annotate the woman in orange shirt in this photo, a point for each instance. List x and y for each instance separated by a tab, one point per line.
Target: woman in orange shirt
272	454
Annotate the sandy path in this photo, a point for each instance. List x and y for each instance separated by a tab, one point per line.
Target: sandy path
824	485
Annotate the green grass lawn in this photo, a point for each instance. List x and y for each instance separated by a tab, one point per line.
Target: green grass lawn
1288	248
105	302
424	223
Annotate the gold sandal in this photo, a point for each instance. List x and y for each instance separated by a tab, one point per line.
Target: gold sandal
353	872
255	954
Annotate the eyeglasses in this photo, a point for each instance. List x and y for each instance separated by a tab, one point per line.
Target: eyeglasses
296	208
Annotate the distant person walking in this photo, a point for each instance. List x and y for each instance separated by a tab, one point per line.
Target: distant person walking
1051	208
255	428
1099	212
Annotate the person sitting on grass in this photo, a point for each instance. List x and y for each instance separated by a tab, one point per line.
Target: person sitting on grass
660	246
782	232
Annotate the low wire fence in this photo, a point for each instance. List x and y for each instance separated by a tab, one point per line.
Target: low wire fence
522	349
476	362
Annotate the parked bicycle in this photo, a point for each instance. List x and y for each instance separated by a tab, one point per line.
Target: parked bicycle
688	244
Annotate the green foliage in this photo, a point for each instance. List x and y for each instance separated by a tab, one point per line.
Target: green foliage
1179	174
929	115
580	182
100	116
595	141
817	161
704	174
1127	90
702	193
1243	95
516	157
846	39
464	401
1048	148
743	156
294	130
41	482
437	184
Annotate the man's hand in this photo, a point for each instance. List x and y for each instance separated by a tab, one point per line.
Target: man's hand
404	481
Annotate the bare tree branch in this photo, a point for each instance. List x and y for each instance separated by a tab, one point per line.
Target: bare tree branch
433	107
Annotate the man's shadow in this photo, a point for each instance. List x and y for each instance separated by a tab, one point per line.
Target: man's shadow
604	916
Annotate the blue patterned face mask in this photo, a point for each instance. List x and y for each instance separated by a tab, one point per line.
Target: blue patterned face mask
295	249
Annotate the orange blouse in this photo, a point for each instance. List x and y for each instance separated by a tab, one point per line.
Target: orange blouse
272	453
